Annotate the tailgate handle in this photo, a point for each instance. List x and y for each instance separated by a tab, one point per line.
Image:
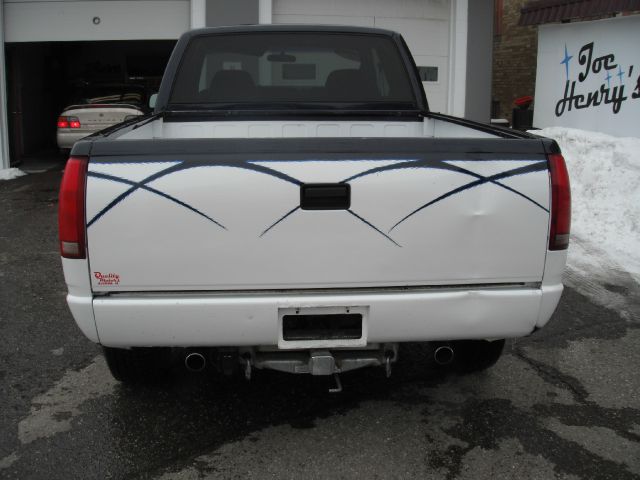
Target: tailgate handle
325	196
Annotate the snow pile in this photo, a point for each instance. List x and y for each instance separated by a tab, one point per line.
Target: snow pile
10	173
605	188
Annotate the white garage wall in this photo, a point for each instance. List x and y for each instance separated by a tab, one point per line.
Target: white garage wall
50	20
363	8
424	24
4	140
428	40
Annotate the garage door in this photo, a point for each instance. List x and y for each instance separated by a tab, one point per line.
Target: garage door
60	21
424	24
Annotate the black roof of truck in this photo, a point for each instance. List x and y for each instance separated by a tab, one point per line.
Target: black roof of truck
289	28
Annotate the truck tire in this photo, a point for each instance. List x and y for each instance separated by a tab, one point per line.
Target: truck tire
138	365
476	355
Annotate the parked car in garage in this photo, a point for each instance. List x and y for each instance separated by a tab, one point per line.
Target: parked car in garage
97	107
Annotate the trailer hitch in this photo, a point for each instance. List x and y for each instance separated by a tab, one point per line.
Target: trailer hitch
247	367
338	387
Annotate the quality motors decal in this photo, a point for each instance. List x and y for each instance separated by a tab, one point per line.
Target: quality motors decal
107	279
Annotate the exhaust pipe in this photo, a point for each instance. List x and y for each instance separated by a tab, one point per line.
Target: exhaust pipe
443	355
195	362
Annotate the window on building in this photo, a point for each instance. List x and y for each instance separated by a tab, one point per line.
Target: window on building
428	74
299	71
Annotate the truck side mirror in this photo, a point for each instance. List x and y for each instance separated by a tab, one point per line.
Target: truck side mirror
152	100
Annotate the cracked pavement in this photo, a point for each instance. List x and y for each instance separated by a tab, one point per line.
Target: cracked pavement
562	403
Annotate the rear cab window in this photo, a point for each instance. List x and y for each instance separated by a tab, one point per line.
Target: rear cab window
278	69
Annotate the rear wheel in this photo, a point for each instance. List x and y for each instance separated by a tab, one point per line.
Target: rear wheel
476	355
138	365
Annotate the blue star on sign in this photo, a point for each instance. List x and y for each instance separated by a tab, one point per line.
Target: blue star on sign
567	58
620	73
608	79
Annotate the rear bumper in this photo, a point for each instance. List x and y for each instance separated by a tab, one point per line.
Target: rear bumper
250	319
66	139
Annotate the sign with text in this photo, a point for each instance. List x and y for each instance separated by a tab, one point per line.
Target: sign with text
588	76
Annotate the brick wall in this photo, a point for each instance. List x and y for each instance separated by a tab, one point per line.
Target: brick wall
514	57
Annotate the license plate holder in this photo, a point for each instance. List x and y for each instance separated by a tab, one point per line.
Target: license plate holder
322	327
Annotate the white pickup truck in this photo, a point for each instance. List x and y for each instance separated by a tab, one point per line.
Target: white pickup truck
292	204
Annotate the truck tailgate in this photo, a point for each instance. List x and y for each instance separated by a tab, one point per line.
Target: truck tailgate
228	214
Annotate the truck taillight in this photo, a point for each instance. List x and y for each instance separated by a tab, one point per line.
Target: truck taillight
71	208
560	203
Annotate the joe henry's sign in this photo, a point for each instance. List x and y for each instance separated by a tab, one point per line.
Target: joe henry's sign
606	94
589	76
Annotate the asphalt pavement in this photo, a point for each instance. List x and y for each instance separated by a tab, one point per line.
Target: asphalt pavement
563	403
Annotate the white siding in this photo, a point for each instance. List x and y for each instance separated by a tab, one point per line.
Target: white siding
357	8
4	140
48	21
